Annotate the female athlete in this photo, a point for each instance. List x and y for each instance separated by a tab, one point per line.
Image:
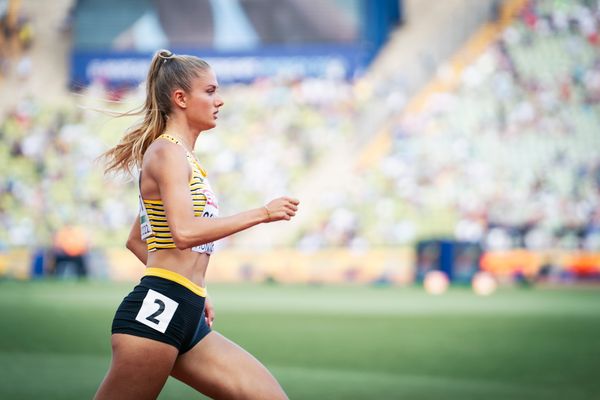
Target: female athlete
163	327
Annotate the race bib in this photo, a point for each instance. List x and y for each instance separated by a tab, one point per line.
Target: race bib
145	227
157	311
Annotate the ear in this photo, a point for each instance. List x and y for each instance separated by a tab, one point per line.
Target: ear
179	98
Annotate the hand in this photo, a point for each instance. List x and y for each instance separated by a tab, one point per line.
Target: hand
209	312
283	208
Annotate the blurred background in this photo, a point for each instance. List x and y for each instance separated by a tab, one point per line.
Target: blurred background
437	148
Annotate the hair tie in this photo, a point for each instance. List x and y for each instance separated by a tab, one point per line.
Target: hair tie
166	55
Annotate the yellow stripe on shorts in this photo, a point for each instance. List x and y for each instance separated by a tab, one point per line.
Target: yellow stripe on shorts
175	277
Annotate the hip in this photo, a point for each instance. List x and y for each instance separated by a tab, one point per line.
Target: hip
189	264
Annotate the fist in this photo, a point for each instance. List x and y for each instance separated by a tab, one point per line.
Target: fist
283	208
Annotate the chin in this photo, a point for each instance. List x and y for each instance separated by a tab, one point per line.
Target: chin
209	126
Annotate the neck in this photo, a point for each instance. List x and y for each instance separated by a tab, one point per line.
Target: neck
187	144
182	133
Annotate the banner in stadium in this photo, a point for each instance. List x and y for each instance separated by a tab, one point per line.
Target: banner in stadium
340	62
242	39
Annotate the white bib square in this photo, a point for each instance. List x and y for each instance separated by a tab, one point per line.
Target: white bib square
157	311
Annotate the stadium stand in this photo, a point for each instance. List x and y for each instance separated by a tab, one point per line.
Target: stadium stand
501	134
38	142
16	37
506	158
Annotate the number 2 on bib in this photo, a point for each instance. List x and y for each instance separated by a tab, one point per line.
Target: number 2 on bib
157	311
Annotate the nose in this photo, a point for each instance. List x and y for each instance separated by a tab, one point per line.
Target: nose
219	101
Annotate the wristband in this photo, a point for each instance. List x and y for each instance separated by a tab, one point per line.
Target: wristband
268	213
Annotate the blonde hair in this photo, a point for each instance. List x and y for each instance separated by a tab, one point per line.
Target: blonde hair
167	72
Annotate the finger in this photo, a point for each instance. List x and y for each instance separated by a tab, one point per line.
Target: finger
209	315
291	205
290	210
292	200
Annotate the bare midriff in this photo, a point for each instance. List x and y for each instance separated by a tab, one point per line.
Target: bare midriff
187	263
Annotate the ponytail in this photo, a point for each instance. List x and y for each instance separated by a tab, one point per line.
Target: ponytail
167	72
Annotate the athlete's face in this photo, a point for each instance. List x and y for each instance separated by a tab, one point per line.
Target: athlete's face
204	101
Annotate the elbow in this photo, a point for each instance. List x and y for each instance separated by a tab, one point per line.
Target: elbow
181	239
134	245
130	245
184	239
181	245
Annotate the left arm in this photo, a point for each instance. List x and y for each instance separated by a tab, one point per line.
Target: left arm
135	244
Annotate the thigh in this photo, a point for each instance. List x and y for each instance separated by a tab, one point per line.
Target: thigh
139	368
220	369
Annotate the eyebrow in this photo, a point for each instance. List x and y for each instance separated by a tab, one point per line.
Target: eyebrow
211	86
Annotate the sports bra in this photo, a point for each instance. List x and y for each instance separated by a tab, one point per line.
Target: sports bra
153	219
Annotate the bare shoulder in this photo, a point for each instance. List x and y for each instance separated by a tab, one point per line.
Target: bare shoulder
162	156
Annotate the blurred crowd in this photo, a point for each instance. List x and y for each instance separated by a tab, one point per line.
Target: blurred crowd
508	158
265	147
50	179
262	149
16	37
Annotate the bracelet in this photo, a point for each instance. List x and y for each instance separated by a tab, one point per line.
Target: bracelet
268	213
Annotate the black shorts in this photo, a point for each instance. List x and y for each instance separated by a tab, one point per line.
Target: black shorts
165	306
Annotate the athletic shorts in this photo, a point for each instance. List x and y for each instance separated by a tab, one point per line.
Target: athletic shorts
166	307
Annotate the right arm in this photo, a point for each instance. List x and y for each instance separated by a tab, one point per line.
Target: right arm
188	230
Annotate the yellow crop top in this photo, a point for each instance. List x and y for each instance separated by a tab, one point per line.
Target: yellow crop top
153	219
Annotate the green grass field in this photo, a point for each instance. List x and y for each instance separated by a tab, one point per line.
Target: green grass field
327	342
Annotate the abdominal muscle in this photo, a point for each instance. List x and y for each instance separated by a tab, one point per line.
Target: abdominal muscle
187	263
